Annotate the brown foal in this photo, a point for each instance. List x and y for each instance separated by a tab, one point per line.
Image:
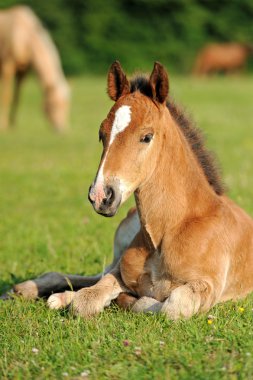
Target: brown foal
187	246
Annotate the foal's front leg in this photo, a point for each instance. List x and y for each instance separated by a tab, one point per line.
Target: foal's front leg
183	302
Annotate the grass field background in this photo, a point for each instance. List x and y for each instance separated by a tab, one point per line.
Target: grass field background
47	223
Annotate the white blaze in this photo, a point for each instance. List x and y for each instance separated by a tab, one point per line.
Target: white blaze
121	121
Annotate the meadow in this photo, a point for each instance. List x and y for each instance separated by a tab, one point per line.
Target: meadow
47	223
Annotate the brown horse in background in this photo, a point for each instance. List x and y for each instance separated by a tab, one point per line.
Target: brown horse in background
25	44
227	57
188	246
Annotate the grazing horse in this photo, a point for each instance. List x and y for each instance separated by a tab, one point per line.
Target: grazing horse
187	246
24	43
227	58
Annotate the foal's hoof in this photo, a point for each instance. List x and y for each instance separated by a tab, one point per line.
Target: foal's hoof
86	303
27	289
60	300
146	305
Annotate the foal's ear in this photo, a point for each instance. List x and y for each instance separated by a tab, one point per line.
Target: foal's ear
117	83
159	83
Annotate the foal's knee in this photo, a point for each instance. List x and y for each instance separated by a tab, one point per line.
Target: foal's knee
189	299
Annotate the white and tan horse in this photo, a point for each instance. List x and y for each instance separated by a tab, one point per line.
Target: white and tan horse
25	44
188	246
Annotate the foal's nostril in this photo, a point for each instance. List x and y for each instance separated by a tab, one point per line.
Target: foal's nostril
110	195
95	197
109	192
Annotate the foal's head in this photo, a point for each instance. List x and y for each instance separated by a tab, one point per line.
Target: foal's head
132	135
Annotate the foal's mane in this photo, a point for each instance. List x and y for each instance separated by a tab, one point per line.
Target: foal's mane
193	135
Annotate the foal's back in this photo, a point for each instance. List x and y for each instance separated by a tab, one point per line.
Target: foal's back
239	228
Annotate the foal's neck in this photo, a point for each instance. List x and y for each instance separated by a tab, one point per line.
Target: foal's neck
177	190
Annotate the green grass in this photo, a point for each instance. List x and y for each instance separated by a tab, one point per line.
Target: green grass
48	224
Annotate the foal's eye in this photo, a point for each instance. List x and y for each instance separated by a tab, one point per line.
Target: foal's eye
147	138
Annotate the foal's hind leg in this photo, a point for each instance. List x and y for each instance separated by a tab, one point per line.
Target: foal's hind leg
49	283
54	282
